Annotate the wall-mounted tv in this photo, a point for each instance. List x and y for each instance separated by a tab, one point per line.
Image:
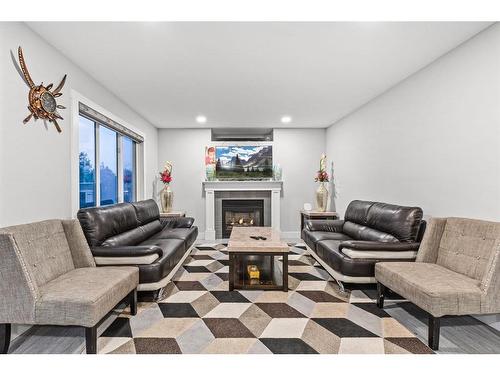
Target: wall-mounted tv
243	162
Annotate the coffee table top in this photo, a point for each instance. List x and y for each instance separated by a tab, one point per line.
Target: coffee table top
240	240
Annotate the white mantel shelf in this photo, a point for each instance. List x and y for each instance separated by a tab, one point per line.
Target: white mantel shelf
210	187
252	185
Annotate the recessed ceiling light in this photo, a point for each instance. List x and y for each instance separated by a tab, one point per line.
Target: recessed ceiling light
201	119
286	119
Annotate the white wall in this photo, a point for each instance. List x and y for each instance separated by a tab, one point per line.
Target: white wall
35	161
432	141
185	149
296	150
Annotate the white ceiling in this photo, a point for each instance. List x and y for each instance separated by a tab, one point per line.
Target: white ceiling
251	74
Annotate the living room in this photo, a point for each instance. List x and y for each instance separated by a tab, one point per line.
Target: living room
263	187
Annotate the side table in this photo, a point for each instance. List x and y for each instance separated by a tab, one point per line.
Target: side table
173	214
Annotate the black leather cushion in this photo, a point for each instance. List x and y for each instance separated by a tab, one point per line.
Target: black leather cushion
364	233
150	229
128	238
402	222
134	236
100	223
146	211
324	225
357	212
186	234
177	222
173	251
329	252
311	238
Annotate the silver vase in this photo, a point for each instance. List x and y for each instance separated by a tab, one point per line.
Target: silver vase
166	198
321	197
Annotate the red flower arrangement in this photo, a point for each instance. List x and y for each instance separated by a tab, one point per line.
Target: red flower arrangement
321	176
166	175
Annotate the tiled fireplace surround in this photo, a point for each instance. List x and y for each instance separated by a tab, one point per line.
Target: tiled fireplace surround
217	191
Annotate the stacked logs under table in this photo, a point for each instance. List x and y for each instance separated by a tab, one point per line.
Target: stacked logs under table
254	254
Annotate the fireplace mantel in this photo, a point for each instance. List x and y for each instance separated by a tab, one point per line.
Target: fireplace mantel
210	187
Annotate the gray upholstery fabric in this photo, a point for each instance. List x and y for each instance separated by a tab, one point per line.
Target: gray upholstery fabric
84	295
18	290
44	248
490	285
457	271
48	276
80	251
467	245
433	288
429	247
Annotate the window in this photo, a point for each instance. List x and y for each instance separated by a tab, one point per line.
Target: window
128	152
87	163
108	166
115	153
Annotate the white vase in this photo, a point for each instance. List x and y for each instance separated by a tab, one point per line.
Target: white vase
166	198
321	197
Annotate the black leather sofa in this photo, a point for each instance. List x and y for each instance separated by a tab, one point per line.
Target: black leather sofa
370	232
134	234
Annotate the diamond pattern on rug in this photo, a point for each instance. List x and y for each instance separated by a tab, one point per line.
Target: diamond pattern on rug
198	314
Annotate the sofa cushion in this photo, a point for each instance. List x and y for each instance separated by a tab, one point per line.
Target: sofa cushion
100	223
44	249
357	211
467	246
186	234
312	238
432	287
146	211
402	222
364	233
84	296
134	236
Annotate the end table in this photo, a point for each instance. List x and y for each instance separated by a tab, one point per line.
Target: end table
173	214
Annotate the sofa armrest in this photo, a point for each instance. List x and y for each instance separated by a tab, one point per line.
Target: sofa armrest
379	246
126	251
176	222
324	225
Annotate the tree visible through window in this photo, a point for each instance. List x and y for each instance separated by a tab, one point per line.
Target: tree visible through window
111	145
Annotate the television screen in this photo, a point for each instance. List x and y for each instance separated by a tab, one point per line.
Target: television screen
244	162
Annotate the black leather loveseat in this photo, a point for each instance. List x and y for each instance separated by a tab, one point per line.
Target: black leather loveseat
370	232
134	234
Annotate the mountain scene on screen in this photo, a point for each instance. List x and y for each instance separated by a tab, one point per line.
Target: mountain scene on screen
244	162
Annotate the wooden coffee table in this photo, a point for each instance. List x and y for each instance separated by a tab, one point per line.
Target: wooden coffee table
245	251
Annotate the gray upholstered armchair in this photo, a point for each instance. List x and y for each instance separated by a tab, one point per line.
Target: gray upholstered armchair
49	277
457	272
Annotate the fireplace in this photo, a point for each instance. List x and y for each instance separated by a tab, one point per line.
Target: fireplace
241	213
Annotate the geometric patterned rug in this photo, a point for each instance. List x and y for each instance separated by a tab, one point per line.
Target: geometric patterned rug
197	314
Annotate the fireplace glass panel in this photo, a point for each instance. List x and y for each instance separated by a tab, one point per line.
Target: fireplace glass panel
241	213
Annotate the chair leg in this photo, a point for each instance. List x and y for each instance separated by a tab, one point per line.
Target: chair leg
380	295
133	302
434	330
91	339
5	331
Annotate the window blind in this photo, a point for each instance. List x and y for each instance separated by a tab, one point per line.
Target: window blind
102	119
